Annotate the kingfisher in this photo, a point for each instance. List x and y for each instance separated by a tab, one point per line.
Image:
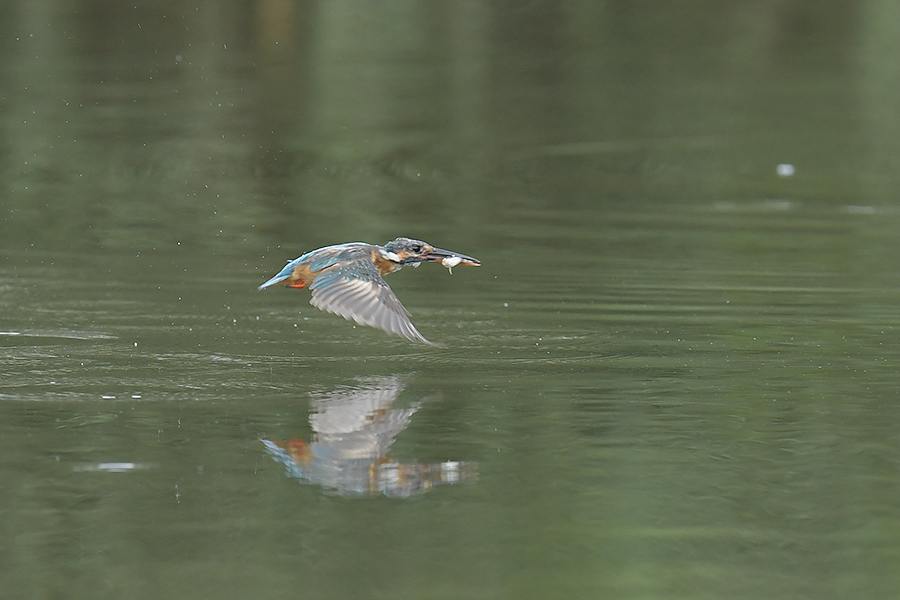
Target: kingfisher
348	280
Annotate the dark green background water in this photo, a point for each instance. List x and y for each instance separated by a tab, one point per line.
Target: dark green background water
675	375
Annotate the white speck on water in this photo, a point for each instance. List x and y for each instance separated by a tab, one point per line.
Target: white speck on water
785	170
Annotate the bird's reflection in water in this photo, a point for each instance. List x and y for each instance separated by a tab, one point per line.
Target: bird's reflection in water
354	427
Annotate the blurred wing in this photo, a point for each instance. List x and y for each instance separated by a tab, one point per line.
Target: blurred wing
356	291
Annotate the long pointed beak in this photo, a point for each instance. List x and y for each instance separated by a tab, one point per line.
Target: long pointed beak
438	255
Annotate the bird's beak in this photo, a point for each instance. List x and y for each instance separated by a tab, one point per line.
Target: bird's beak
438	255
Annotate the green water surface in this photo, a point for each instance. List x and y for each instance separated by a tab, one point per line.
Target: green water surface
674	376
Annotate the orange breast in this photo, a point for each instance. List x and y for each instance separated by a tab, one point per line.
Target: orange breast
383	265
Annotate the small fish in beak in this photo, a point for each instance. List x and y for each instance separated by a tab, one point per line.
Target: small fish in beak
450	262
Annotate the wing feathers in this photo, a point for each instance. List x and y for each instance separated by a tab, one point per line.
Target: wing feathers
354	290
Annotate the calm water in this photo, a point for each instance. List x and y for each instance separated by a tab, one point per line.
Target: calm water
674	376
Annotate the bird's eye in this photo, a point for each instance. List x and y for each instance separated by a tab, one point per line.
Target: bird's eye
417	248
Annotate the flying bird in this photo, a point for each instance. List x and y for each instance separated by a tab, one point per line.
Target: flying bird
348	280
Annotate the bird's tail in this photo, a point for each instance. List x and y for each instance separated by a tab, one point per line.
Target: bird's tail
275	280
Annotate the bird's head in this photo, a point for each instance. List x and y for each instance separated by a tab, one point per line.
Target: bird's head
405	251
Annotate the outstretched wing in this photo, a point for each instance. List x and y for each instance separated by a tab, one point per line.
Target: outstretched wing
355	291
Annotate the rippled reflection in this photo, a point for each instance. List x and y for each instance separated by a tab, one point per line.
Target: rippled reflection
112	467
354	427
